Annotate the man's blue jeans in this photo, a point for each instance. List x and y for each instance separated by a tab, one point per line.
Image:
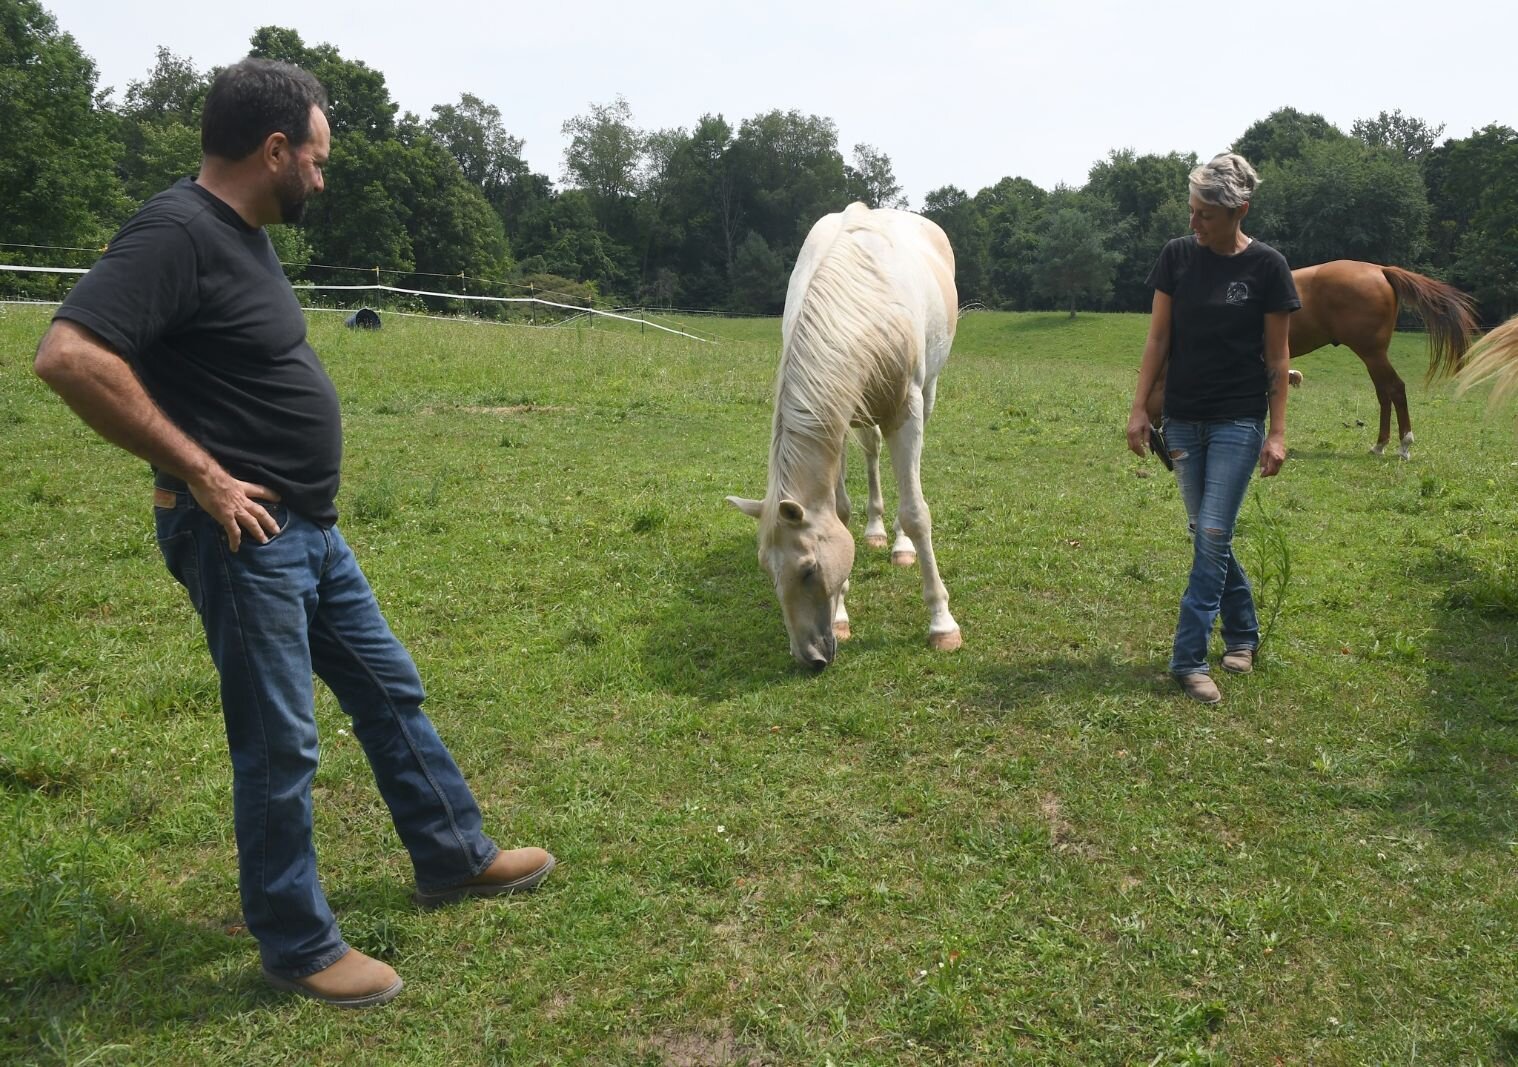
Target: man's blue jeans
274	614
1213	464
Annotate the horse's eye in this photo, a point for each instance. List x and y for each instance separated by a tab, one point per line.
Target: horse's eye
808	574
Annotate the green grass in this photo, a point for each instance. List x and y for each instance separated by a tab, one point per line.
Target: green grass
1027	851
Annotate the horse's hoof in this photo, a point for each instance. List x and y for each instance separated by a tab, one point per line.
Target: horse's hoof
1378	449
841	631
903	559
945	642
876	541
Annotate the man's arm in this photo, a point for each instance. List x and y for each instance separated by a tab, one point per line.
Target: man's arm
102	390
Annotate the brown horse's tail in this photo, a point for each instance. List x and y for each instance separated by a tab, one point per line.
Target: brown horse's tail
1494	358
1449	314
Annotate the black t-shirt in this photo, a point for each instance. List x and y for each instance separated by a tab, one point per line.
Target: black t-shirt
1217	326
194	299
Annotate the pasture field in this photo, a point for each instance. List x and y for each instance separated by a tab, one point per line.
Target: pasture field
1029	851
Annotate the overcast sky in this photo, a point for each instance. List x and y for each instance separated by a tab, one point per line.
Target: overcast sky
959	93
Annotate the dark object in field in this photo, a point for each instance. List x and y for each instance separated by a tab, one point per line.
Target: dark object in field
364	319
1158	447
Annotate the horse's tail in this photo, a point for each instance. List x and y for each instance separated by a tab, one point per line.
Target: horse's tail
1449	314
1493	358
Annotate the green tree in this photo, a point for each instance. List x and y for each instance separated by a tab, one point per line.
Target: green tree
759	278
603	156
1473	201
1014	212
1284	135
474	135
1074	263
359	99
1147	199
1408	137
1343	200
58	149
959	217
789	174
871	179
160	126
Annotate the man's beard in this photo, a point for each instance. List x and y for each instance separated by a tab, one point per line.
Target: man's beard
293	195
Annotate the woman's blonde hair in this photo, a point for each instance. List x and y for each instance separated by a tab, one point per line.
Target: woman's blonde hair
1226	180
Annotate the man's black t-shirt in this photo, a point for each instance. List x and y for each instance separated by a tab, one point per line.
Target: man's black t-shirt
1217	327
194	299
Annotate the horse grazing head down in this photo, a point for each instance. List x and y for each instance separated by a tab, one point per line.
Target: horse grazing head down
808	553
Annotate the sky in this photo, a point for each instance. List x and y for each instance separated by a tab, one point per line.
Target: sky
955	93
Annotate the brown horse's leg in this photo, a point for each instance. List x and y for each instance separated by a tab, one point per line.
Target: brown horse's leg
1389	391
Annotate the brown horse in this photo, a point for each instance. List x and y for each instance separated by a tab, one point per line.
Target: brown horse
1494	358
1346	302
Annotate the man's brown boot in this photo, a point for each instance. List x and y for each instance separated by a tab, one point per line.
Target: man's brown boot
354	981
514	871
1199	687
1239	660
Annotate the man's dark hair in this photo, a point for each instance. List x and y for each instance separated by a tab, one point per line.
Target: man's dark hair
252	99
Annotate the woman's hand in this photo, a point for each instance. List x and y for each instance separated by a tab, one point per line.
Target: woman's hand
1138	433
1272	454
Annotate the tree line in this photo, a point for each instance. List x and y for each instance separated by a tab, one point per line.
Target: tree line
711	216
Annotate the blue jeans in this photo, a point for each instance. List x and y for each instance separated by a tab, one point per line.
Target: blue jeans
1213	464
274	614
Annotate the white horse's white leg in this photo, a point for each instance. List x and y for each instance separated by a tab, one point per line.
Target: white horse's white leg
916	522
904	552
874	525
841	617
841	503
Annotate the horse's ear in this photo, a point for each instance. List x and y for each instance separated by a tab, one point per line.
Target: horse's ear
791	511
751	508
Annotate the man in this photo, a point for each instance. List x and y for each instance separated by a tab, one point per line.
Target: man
185	345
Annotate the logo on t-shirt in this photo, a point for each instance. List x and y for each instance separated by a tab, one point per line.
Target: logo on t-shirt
1237	294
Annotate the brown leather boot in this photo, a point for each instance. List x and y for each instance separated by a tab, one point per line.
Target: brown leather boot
513	871
1239	660
354	981
1199	687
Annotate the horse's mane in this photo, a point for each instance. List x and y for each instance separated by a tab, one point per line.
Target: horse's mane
850	354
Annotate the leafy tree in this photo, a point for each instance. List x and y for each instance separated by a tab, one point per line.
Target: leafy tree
1409	137
1343	200
759	278
474	135
58	150
1474	211
871	179
1146	196
1014	210
789	174
160	126
1074	263
1284	136
957	214
603	155
359	99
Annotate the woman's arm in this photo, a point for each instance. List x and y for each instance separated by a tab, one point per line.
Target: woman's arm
1277	371
1156	351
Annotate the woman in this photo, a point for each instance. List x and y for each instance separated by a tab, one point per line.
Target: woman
1221	302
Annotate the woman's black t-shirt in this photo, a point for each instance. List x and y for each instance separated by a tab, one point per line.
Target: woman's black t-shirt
1217	326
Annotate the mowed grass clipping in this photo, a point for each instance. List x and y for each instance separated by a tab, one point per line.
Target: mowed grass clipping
1028	851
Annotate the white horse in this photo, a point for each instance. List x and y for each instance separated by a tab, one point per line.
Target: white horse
869	318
